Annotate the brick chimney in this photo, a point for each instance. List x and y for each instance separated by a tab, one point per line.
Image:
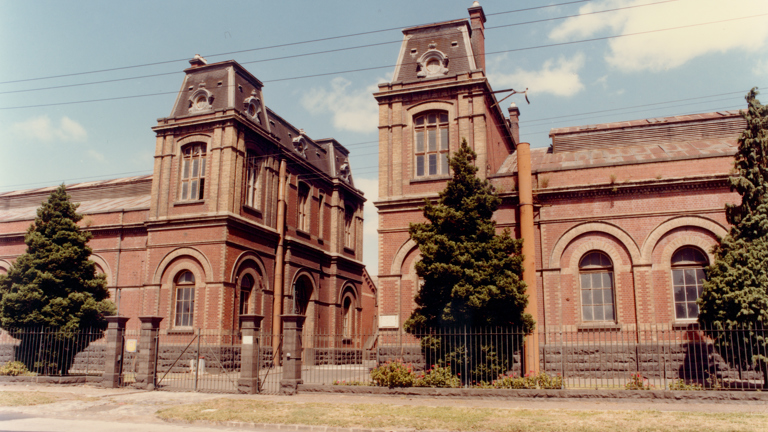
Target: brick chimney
514	122
477	18
198	61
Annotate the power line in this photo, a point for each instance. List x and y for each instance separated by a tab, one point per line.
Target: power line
325	51
266	47
390	66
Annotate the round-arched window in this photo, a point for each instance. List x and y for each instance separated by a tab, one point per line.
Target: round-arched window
246	286
185	299
597	295
687	280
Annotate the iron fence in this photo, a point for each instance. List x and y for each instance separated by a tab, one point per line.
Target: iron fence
54	352
610	357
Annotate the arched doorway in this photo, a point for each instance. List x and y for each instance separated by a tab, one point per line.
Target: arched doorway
302	292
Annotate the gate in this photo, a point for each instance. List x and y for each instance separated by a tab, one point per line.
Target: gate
201	361
270	363
129	357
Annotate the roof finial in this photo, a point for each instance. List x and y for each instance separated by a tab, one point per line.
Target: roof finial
475	3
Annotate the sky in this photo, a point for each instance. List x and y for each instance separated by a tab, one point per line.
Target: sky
82	83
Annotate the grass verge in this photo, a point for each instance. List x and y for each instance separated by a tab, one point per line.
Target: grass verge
460	419
12	398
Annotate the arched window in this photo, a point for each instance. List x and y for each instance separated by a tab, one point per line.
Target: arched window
302	291
303	207
193	172
185	299
347	316
246	286
596	276
253	189
431	139
687	279
349	227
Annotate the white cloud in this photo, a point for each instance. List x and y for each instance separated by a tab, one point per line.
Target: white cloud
761	68
560	78
43	129
370	188
663	50
98	156
353	110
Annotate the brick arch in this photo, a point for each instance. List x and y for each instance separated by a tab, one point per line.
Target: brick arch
402	253
665	261
614	254
102	263
241	260
5	266
694	221
349	287
569	236
308	274
179	252
196	137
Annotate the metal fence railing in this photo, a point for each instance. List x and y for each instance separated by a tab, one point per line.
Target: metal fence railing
610	357
50	352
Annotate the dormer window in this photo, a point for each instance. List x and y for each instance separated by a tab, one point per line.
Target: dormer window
201	100
431	64
252	107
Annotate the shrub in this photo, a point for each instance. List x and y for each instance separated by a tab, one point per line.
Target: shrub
393	374
680	384
14	368
549	382
438	376
637	382
530	381
350	383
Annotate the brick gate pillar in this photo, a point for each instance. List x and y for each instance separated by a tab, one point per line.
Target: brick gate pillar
113	357
292	353
249	354
146	375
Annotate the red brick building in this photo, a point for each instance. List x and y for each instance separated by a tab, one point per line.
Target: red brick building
244	214
625	213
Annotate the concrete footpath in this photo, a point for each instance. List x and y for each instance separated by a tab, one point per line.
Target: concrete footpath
130	407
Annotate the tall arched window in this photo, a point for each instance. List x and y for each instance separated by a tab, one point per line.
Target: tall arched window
253	189
185	299
347	316
302	291
193	172
246	287
596	276
431	139
349	227
687	279
303	207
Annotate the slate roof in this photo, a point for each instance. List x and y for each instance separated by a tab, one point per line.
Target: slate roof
443	35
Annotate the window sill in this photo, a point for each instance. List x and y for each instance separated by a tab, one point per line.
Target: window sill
302	233
685	325
252	210
181	330
430	178
349	250
190	202
607	326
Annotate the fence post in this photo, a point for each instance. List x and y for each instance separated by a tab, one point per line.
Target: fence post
292	353
146	375
113	358
249	354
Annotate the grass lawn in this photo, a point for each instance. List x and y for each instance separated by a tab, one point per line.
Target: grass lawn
13	398
461	419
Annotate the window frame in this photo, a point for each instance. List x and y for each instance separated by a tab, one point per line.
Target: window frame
184	293
425	156
192	175
349	227
245	293
254	180
588	271
699	278
347	316
303	202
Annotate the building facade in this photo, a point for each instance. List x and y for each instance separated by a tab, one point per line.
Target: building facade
243	214
625	214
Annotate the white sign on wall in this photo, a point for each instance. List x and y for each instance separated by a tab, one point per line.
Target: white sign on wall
389	321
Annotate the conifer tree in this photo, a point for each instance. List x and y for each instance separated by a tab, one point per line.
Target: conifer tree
54	285
735	294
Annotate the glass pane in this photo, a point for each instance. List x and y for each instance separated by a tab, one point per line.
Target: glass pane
690	276
679	293
678	277
597	280
443	118
202	167
597	296
419	141
195	167
431	139
690	293
700	276
608	296
444	138
432	118
586	297
444	163
693	310
432	164
193	190
586	281
609	313
608	280
185	169
599	316
184	190
680	311
419	120
420	165
586	312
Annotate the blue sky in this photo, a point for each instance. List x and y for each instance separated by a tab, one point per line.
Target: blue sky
707	65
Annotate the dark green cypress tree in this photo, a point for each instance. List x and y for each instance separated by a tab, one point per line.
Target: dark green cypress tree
54	285
471	275
735	295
